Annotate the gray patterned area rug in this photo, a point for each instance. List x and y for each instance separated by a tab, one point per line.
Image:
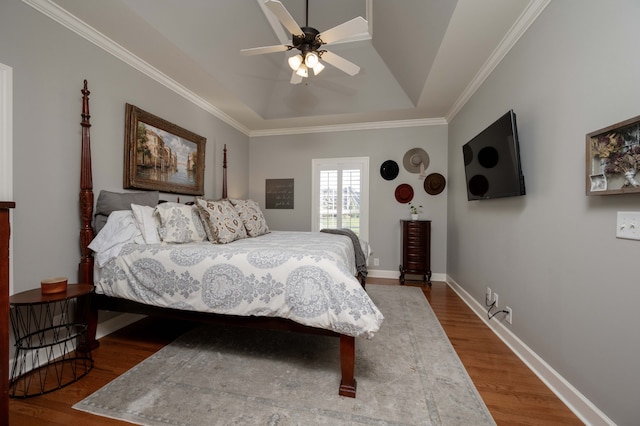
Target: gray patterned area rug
408	374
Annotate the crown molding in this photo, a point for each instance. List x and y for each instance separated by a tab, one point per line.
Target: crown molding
526	18
349	127
58	14
71	22
89	33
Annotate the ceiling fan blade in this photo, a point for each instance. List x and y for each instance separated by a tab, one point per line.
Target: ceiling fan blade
350	28
295	78
341	63
284	17
264	50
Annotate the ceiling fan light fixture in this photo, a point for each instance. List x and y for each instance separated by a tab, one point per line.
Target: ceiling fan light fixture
295	62
311	59
303	71
318	68
309	41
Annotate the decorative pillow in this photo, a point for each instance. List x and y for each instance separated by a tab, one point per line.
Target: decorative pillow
112	201
179	223
147	223
221	221
252	217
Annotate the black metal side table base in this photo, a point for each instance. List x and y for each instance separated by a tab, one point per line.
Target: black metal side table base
45	357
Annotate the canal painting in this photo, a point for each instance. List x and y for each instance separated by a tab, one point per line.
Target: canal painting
162	156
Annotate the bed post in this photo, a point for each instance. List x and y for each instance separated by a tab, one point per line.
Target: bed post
224	173
85	268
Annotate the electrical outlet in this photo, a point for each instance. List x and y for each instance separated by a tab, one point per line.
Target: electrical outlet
376	261
495	299
509	315
487	296
628	225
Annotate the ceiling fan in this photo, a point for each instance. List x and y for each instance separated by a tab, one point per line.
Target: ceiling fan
309	42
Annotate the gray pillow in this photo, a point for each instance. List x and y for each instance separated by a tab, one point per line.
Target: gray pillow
113	201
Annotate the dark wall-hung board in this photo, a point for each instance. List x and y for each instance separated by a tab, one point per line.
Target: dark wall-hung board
279	193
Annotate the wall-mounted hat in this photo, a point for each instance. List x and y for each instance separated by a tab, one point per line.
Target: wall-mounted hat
434	183
389	170
413	158
404	193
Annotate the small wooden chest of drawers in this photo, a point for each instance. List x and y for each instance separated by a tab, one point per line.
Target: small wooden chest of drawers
416	249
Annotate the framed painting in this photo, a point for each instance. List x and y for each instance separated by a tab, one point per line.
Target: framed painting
161	156
613	159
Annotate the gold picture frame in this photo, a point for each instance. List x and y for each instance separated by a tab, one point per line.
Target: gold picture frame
161	156
613	159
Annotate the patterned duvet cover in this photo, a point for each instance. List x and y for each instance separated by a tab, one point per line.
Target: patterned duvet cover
308	277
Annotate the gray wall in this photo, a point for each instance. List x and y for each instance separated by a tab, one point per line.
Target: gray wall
552	255
49	64
290	156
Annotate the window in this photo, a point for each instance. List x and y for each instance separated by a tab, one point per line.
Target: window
341	194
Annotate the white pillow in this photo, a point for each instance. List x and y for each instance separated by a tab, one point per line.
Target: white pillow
179	223
146	222
119	230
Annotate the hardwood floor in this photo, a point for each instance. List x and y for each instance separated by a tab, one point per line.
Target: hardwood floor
514	395
511	391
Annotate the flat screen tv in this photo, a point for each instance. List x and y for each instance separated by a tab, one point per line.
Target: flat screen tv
492	161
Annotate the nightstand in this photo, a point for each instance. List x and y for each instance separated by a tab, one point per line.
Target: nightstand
45	329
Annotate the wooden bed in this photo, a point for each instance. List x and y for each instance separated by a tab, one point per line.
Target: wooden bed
98	301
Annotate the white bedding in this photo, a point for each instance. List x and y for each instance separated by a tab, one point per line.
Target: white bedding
308	277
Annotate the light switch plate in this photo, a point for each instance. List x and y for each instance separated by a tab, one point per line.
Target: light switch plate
628	225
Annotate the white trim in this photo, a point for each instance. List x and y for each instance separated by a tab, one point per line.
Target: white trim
586	411
6	132
89	33
6	148
58	14
395	275
104	328
349	127
116	323
522	24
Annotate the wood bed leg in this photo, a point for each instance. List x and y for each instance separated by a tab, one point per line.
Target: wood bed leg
347	364
88	310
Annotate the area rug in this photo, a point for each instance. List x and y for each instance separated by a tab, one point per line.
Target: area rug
408	374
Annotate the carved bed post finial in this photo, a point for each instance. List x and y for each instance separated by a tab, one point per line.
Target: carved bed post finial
224	173
85	269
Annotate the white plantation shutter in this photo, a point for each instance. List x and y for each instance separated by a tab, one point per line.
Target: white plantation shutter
340	194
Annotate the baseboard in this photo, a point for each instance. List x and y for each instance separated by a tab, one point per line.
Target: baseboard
104	328
55	350
586	411
379	273
116	323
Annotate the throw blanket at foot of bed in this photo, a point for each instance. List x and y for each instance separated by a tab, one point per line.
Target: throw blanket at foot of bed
360	258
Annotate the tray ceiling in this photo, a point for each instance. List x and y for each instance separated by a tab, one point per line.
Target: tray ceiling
420	61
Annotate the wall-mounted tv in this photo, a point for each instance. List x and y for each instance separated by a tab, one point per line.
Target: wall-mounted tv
492	161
